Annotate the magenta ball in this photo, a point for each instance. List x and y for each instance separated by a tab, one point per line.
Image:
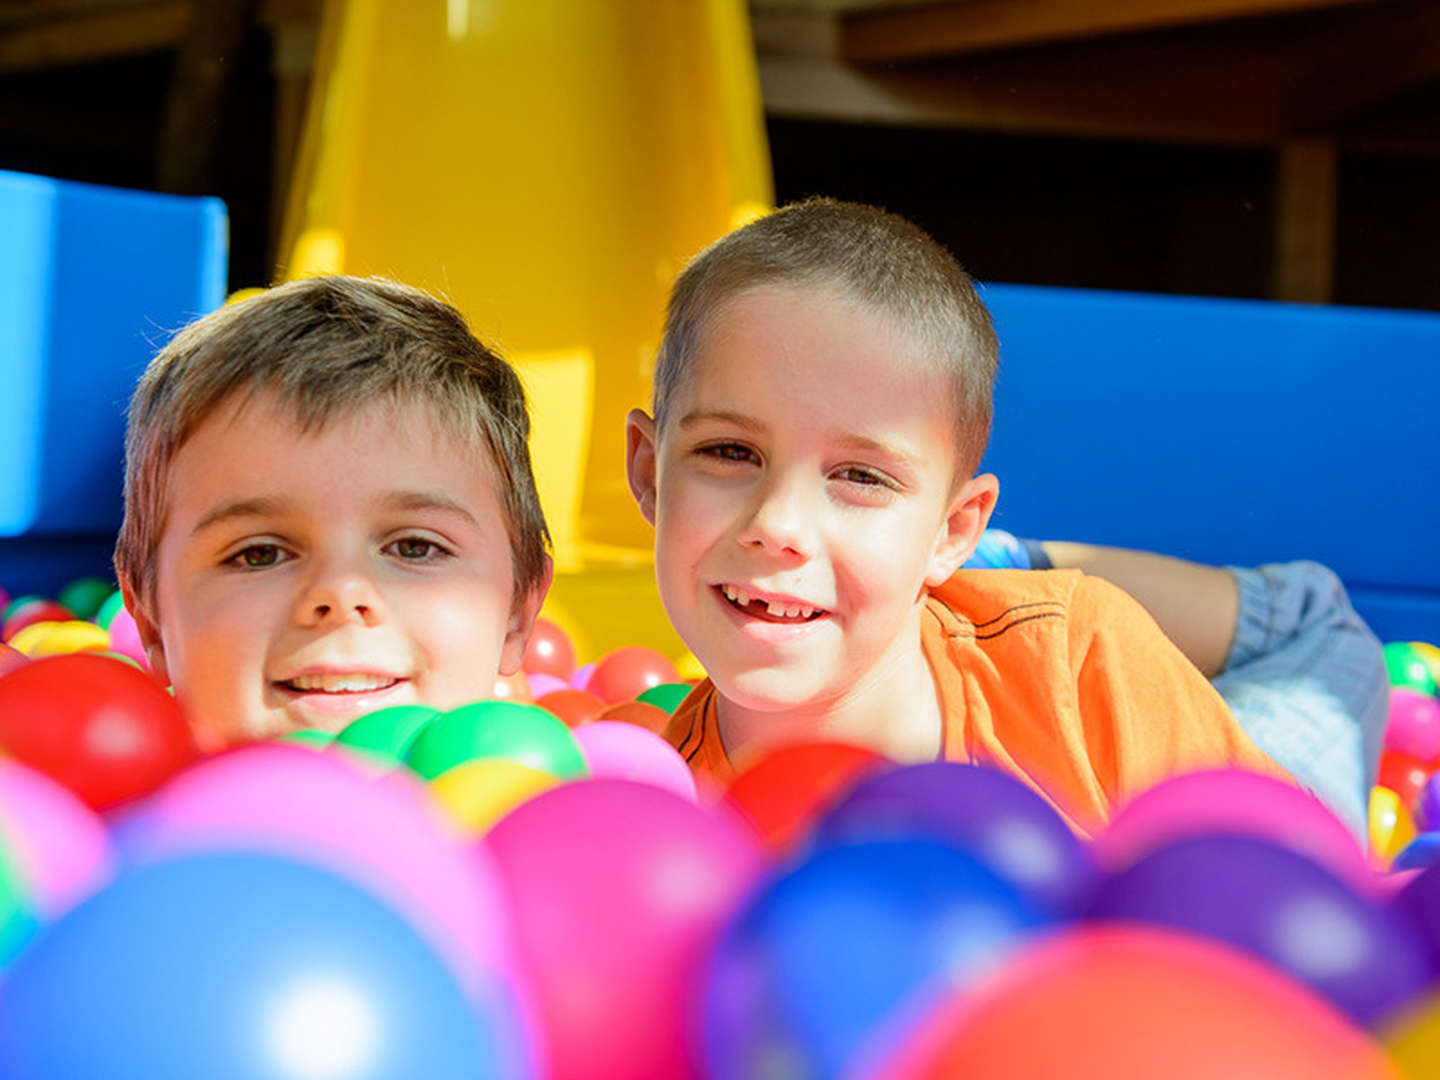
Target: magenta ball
61	846
620	751
581	679
125	638
1234	802
619	890
542	683
380	830
1414	724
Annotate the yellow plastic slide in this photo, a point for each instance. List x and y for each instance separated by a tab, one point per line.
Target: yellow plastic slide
547	166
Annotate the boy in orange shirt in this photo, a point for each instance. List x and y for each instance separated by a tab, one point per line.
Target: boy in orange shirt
822	401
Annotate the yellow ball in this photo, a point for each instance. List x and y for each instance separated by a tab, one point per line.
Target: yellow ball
74	636
479	793
1391	826
1413	1038
24	640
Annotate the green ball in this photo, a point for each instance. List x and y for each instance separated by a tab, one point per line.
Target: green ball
1407	668
310	737
526	734
667	695
84	595
106	612
386	734
17	603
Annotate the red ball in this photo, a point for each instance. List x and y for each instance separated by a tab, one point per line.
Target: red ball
1403	774
575	707
783	793
103	728
34	611
10	659
549	651
627	673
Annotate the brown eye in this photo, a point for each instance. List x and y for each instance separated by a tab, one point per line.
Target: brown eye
411	548
259	556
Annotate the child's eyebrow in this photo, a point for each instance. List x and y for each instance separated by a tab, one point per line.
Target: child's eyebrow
425	500
259	506
749	423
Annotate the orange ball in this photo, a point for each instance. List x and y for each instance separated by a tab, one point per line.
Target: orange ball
513	688
627	673
549	651
575	707
639	713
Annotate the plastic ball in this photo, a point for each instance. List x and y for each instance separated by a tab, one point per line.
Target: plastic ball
542	684
311	738
830	956
574	707
10	659
1391	826
1421	852
1403	774
58	638
1408	668
527	734
514	687
59	845
477	794
380	830
992	816
125	638
84	595
637	713
1283	908
1413	726
784	792
626	673
240	965
1100	1002
18	920
33	610
1429	655
549	651
1427	805
619	890
1237	802
387	734
1413	1039
667	696
619	751
107	610
105	730
581	679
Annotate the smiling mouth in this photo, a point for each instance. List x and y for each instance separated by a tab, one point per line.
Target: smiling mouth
775	611
350	683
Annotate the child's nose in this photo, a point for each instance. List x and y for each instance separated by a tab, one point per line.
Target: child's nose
782	520
336	595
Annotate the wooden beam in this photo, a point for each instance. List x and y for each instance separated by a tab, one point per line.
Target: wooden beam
983	25
1306	182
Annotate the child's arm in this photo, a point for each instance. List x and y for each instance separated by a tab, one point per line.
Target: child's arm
1197	606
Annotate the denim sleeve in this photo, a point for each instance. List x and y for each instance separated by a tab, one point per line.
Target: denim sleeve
1306	680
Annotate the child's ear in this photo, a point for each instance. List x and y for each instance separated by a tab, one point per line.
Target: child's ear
149	632
522	621
969	513
640	460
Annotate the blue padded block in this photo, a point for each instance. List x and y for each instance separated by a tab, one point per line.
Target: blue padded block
92	281
1227	431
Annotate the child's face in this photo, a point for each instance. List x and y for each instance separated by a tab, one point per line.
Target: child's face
802	493
307	579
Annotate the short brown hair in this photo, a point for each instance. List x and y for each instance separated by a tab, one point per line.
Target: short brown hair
325	346
873	256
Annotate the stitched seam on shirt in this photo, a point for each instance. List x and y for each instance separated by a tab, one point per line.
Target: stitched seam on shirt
1009	626
1017	607
696	724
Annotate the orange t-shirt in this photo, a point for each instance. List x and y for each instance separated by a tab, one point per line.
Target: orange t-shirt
1058	678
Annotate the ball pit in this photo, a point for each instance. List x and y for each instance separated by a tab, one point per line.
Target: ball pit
541	890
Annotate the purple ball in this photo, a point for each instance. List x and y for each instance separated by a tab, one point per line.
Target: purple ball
1427	806
988	814
1284	908
1419	901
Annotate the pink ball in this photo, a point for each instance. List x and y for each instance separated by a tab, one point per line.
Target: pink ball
380	830
620	751
1233	801
619	890
542	684
59	844
1414	724
581	679
125	638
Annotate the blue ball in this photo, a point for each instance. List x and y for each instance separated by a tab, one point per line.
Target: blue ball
831	954
232	966
1421	852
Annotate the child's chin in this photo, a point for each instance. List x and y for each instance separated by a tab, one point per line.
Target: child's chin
768	691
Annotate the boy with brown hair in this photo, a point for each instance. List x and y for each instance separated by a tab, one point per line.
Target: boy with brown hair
329	509
822	402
